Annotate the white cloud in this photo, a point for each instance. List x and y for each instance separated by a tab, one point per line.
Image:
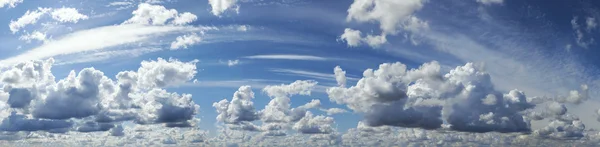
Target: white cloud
287	57
490	2
91	101
62	15
352	37
333	111
159	15
231	63
36	35
240	109
426	98
10	3
164	73
67	15
220	6
96	39
389	13
340	76
185	41
87	57
30	17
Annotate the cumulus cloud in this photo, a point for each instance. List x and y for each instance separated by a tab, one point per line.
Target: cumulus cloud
425	98
87	100
311	124
240	109
164	73
10	3
391	16
220	6
149	14
67	15
185	41
352	37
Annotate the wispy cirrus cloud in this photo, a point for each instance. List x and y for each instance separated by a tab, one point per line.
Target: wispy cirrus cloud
288	57
98	38
309	74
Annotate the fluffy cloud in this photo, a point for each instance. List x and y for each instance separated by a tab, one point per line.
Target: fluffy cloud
220	6
240	109
391	16
10	3
424	98
164	73
185	41
352	37
389	13
310	124
89	101
67	15
159	15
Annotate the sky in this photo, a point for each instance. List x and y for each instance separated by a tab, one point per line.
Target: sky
299	73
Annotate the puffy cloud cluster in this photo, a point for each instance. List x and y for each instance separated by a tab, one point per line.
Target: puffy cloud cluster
149	14
463	99
87	101
278	117
390	14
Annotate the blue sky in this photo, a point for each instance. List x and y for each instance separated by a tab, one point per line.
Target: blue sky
544	49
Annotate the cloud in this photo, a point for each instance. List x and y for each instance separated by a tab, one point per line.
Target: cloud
220	6
240	109
352	37
67	15
310	124
35	35
582	31
231	63
164	73
96	39
185	41
30	17
391	16
340	76
426	98
389	13
62	15
159	15
490	2
287	57
334	111
89	101
10	3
